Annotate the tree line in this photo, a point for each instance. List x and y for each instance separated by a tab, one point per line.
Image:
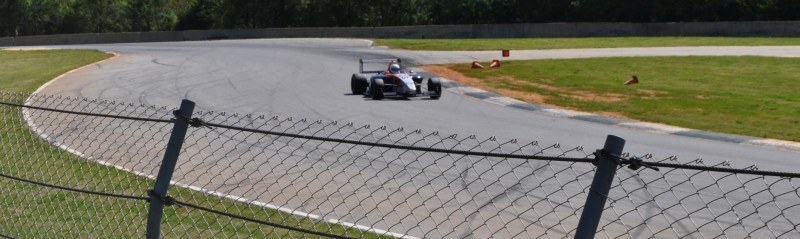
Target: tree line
38	17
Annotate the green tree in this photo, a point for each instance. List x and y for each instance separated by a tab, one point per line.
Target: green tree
783	10
101	15
202	14
11	14
43	17
73	16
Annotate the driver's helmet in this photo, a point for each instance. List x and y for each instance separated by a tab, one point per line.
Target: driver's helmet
394	68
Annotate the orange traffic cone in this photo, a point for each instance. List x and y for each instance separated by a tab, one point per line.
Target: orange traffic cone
495	63
633	80
476	65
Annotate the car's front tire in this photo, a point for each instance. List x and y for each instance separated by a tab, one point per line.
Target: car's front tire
435	85
418	84
376	89
358	84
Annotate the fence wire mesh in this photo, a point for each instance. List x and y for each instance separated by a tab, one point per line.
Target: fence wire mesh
415	193
304	175
701	204
72	151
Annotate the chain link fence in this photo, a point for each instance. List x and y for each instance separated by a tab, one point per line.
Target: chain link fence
79	168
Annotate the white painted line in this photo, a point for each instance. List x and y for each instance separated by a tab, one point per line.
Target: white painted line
28	48
27	118
465	89
654	127
504	101
790	145
565	113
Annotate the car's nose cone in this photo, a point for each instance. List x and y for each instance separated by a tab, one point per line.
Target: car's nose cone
408	88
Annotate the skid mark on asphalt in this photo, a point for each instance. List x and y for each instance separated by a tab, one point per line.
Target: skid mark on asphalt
155	60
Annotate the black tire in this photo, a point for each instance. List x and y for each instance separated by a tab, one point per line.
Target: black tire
418	84
358	84
376	89
417	79
436	86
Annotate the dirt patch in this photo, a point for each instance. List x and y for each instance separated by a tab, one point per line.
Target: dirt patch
537	98
705	97
591	96
651	94
574	94
469	81
453	75
531	97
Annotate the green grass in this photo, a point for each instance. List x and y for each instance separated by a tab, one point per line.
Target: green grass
756	96
31	211
24	71
568	43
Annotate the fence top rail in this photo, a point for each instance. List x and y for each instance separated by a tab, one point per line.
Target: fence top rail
629	161
87	114
196	122
725	170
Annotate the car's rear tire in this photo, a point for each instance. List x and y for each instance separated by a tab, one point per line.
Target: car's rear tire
376	89
436	86
418	84
358	84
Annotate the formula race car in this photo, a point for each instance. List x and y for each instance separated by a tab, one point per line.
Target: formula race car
393	81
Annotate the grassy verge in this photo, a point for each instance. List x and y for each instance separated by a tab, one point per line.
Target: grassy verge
568	43
754	96
24	71
31	211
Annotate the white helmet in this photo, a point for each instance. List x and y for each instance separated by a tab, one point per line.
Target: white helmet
394	68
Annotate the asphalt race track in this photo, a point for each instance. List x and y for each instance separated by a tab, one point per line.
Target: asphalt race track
309	78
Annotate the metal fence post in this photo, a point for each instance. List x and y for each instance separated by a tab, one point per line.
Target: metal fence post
601	184
159	192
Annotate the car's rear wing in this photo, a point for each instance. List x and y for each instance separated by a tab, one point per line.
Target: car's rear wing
387	61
